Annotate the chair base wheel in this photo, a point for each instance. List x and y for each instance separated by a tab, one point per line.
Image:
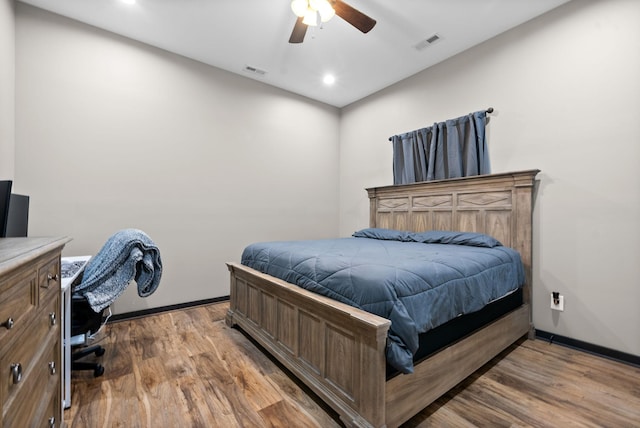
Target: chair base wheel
98	351
98	371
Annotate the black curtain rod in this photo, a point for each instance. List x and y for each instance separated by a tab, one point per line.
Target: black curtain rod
487	111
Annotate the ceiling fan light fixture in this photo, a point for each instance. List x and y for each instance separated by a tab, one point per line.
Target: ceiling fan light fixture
310	17
299	7
316	4
326	11
310	9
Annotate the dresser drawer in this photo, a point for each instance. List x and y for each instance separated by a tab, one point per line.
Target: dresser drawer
19	361
33	396
18	303
50	417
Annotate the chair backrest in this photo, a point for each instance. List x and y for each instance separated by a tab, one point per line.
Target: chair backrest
128	255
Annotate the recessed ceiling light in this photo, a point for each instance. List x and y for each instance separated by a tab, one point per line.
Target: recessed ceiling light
329	79
128	1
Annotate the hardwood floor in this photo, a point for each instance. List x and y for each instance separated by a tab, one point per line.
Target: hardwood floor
188	369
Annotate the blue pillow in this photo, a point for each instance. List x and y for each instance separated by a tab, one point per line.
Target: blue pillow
384	234
459	238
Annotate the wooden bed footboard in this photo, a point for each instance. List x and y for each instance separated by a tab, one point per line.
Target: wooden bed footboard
336	350
406	395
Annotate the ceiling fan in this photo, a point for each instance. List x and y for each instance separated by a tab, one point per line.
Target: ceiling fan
309	11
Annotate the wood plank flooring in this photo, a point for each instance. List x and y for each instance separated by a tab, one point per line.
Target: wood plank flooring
186	368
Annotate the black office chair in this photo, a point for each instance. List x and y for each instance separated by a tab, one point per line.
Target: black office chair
128	255
85	325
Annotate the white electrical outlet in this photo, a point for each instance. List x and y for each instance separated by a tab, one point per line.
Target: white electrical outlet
559	306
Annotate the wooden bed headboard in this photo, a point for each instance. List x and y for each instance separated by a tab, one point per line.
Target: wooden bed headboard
499	205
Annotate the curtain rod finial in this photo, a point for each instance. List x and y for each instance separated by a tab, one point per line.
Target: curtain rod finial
490	110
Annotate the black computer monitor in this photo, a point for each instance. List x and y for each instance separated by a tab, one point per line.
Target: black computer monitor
14	212
5	198
18	216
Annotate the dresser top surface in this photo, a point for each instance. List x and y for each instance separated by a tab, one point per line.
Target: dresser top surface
16	251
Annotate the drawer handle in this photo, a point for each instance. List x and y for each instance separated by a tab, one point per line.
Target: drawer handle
50	277
16	372
52	422
52	318
8	324
52	367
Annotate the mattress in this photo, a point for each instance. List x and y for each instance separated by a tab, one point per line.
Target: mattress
418	281
448	333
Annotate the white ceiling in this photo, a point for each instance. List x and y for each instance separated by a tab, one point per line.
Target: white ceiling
234	34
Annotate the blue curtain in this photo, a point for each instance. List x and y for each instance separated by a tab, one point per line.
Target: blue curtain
454	148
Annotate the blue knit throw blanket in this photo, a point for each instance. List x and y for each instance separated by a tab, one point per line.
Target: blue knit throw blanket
127	255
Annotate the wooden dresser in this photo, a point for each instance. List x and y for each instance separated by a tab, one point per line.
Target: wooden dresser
30	332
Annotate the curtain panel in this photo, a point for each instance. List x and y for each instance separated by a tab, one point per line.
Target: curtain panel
449	149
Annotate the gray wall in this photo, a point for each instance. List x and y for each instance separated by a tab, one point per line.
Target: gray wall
566	91
7	89
113	133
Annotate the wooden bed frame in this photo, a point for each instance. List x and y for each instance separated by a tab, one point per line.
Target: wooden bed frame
339	351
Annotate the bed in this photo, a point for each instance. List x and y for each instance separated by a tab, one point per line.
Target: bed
339	351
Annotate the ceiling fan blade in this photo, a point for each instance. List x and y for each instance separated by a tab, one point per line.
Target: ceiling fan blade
299	30
353	16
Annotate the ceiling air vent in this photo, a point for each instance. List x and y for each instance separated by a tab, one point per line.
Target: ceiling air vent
427	42
254	70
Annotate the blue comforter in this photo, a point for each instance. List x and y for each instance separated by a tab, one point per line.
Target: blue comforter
417	280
